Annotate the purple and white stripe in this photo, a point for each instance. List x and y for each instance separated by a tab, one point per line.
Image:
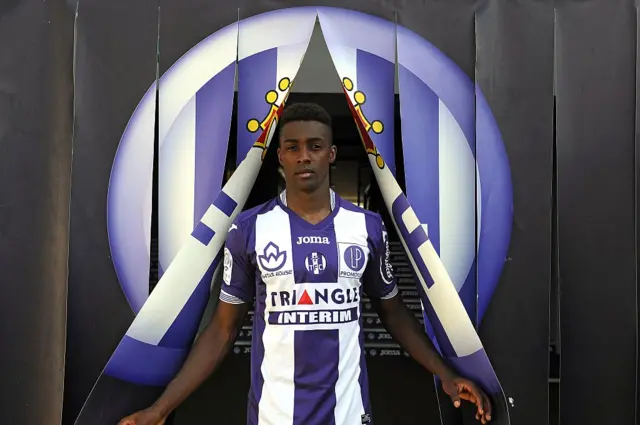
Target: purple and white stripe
162	331
440	175
369	62
192	159
265	57
474	142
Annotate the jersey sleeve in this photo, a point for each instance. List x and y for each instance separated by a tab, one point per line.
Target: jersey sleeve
238	284
379	280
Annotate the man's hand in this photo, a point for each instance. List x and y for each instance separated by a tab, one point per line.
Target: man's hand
144	417
460	388
404	328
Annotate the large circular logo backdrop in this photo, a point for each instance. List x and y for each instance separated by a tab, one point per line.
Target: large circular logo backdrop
472	144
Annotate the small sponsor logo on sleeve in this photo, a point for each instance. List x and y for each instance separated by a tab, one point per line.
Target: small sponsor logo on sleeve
386	269
228	266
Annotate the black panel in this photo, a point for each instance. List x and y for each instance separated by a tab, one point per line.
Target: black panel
515	73
637	211
115	66
185	23
596	68
36	104
449	26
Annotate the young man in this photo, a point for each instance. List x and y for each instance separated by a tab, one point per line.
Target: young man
306	257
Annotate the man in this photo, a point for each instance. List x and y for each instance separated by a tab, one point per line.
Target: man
306	257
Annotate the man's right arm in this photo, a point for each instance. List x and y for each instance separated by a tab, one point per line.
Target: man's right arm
206	355
213	344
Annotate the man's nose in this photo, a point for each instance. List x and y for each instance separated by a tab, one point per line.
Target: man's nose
304	156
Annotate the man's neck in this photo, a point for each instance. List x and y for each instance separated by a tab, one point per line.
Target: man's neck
312	207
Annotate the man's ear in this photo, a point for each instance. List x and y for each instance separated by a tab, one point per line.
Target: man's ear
279	159
332	154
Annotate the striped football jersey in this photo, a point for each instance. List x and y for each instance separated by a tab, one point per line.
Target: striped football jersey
307	358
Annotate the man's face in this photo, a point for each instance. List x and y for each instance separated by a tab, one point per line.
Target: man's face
306	153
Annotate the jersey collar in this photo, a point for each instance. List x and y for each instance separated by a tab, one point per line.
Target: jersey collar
283	198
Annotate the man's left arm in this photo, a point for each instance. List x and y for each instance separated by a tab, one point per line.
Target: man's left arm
407	331
380	284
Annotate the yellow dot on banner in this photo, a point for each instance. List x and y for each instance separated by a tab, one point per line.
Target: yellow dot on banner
253	125
284	84
379	162
377	127
271	97
348	84
359	97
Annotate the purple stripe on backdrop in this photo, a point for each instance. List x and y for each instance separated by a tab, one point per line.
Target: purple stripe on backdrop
497	203
442	75
203	233
477	367
257	345
458	92
140	363
225	204
376	78
183	329
419	110
256	76
317	354
214	107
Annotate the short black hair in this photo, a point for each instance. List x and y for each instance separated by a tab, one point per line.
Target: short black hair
305	111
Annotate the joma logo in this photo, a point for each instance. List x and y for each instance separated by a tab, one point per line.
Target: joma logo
306	240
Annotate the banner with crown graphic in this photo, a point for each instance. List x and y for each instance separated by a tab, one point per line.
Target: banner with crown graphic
454	331
159	339
267	63
367	73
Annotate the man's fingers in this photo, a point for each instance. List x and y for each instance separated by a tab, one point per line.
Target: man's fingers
479	399
480	418
487	408
468	396
468	391
471	393
456	400
484	408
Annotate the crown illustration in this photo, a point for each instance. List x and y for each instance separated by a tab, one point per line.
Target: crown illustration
271	97
359	99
